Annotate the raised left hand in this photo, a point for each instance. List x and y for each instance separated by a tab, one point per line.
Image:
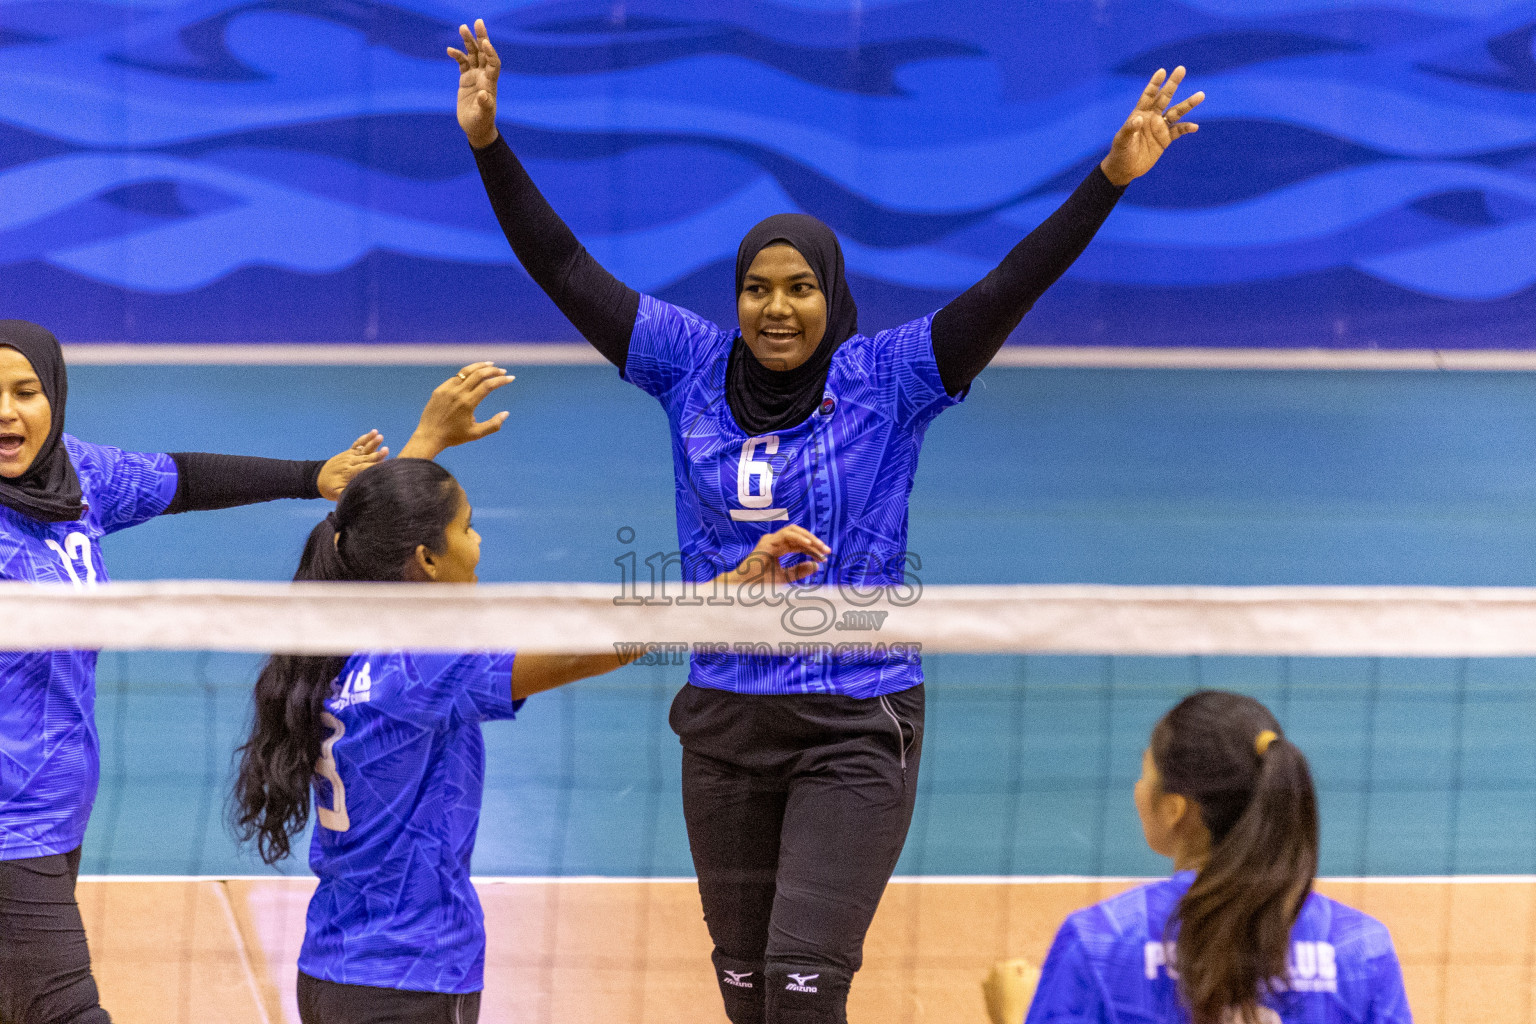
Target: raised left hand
479	68
339	469
1150	129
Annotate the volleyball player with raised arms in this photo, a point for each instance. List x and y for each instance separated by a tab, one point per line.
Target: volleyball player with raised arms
1236	936
799	773
387	747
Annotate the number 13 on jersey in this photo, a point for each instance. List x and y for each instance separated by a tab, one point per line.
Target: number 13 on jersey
333	817
754	483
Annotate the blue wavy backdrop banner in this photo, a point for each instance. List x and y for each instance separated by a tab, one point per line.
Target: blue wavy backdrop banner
291	171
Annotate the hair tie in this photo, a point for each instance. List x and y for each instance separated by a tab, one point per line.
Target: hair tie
1262	741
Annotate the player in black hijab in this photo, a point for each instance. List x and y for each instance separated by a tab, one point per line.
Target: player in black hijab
49	489
799	771
762	396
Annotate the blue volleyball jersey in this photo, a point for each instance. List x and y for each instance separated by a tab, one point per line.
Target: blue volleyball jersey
397	805
1110	964
844	474
50	758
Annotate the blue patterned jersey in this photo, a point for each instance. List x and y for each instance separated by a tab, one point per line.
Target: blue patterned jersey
397	805
1110	964
50	758
844	474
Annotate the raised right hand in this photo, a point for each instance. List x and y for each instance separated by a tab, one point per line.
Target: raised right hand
449	416
479	68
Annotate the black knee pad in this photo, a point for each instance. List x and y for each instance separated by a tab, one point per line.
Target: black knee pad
800	994
741	986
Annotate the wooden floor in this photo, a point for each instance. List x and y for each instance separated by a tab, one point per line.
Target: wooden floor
575	952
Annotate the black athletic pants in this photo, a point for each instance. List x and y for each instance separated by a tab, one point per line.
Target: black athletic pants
330	1002
797	808
45	967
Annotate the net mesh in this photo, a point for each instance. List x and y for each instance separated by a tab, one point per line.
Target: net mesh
1423	766
1425	772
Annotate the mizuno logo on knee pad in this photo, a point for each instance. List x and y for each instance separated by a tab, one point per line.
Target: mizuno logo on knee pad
738	978
801	983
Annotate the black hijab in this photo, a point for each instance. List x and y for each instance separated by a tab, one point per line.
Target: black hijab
49	490
762	399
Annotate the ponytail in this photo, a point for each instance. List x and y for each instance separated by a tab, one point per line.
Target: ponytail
384	515
1226	753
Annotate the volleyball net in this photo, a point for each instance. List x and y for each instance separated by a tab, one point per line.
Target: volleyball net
1416	707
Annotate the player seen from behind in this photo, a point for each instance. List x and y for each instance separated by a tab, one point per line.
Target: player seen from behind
1236	936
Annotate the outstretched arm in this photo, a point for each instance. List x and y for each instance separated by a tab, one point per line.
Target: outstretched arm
205	481
598	304
968	332
535	673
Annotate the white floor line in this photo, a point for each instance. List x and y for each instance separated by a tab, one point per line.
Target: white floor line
245	954
1012	356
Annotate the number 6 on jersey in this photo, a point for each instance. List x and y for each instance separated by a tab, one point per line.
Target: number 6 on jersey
749	470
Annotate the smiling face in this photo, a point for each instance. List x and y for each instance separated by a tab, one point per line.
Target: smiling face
782	309
25	414
460	556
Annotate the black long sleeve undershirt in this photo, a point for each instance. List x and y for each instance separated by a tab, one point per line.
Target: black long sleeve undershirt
599	305
967	332
205	482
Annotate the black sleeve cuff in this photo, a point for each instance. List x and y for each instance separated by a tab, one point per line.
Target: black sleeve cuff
1098	191
498	150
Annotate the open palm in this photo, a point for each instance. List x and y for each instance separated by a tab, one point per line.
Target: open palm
479	68
1150	129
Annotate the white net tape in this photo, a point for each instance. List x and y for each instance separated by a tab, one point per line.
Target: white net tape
317	618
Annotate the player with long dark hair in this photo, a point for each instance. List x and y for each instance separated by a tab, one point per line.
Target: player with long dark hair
59	496
1236	936
386	747
799	772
